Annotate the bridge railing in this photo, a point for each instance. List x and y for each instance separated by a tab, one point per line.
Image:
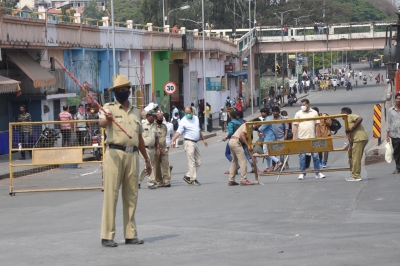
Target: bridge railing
24	28
308	32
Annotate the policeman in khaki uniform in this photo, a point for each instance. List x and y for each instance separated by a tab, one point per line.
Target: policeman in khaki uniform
121	163
161	162
150	137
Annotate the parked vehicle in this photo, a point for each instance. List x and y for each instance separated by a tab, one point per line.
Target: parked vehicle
349	86
292	99
96	143
47	138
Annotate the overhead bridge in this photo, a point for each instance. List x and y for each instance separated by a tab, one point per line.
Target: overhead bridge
335	37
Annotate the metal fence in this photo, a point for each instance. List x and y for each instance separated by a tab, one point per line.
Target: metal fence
299	146
55	156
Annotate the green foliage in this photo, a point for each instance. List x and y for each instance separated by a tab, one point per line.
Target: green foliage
92	11
10	3
128	10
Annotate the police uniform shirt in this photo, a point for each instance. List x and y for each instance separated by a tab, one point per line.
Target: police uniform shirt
150	133
162	136
129	121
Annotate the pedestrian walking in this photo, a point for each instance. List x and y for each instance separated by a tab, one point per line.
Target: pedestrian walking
393	131
267	133
189	128
80	128
334	84
307	130
151	142
370	76
121	163
26	131
175	123
281	129
360	75
65	128
358	140
162	169
223	119
194	110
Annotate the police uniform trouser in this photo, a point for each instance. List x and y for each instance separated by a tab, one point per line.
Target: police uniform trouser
357	154
120	168
194	158
161	169
238	156
150	179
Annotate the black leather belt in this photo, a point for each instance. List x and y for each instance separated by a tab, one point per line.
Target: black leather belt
123	148
150	148
191	140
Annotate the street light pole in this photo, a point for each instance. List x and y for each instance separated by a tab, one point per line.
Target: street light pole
204	69
251	62
163	14
113	39
180	8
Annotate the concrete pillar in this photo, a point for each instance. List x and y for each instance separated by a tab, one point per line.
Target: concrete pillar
129	24
166	29
42	12
183	30
196	32
106	22
331	30
77	18
371	28
149	26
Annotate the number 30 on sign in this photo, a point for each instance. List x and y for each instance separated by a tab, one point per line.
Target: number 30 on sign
170	87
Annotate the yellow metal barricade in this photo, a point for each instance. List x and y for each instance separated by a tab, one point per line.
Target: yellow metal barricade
298	146
48	156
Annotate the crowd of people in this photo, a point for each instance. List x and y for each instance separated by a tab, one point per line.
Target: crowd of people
150	132
238	155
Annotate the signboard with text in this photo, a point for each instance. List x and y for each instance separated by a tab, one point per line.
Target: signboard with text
213	84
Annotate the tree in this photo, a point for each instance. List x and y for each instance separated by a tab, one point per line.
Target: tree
92	11
10	3
128	10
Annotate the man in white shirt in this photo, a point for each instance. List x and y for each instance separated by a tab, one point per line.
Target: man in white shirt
189	128
174	110
334	84
360	75
306	130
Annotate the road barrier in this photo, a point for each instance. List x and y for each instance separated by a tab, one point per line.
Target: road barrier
55	156
298	146
376	128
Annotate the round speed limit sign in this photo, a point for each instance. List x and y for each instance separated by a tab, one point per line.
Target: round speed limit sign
170	87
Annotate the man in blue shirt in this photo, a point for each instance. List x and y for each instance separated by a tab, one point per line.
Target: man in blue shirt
234	123
268	134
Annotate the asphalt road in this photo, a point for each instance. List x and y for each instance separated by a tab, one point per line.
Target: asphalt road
290	222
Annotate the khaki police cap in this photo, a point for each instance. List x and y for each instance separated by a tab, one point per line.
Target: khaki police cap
120	81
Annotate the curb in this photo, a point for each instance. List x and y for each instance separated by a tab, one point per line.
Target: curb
38	169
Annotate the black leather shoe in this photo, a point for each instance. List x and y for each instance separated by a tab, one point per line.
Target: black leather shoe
134	241
108	243
167	185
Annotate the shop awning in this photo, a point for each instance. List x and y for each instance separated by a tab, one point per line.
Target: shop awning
237	74
8	85
39	75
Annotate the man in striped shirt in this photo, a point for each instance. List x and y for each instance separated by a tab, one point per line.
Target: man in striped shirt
25	130
65	127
